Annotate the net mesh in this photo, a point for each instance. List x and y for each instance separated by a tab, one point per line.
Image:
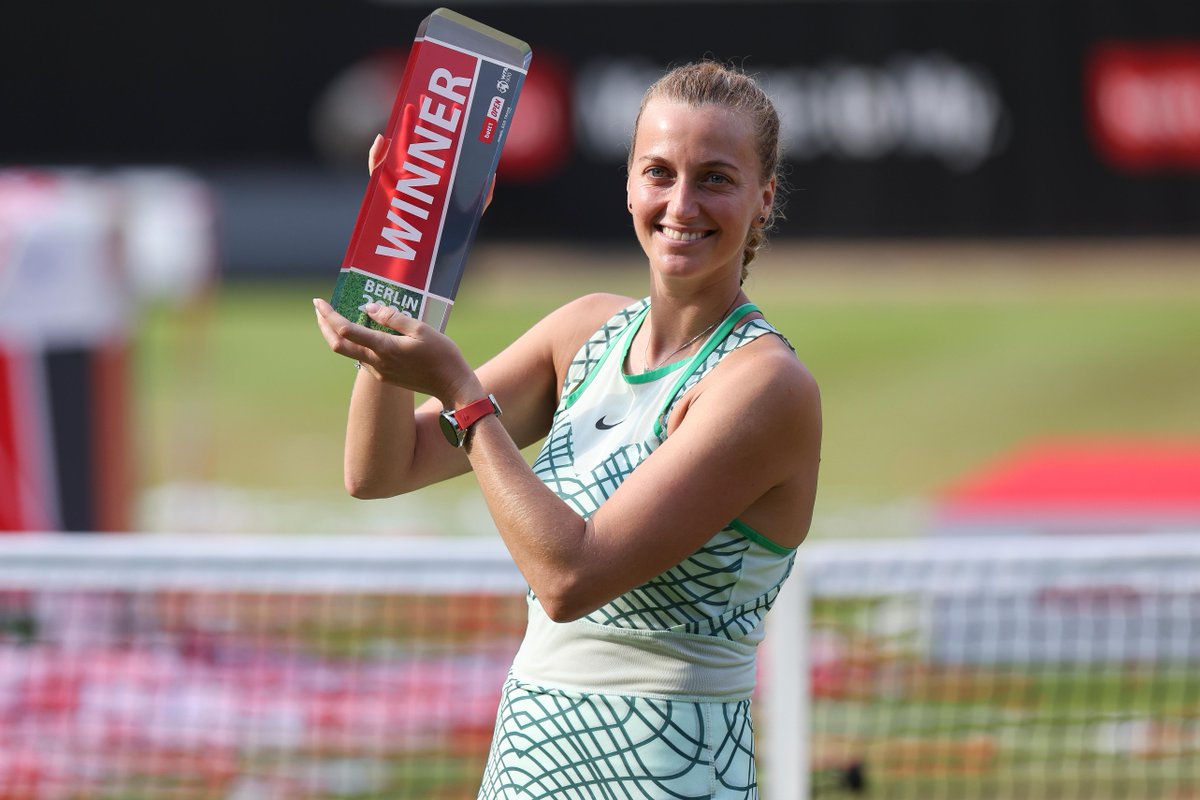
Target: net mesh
187	672
1006	669
154	667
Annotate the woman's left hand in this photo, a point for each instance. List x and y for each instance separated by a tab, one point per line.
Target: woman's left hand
420	359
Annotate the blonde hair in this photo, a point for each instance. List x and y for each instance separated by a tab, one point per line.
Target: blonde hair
712	83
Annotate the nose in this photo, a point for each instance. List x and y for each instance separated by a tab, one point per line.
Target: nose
684	201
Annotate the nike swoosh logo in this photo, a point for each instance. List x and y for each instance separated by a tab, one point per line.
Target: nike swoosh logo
601	425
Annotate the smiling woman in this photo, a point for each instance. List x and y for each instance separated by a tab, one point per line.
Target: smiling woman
706	115
694	191
654	535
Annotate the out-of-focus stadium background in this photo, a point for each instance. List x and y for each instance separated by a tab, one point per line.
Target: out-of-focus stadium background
990	238
990	261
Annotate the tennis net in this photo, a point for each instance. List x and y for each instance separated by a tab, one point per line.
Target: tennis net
136	666
1030	667
154	667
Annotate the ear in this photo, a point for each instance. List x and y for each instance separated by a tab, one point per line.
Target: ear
768	198
628	196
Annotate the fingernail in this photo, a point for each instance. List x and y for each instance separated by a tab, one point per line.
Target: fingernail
370	308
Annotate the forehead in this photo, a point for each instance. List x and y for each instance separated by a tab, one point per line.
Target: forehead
671	130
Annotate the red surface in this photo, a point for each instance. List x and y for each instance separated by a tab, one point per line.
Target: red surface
398	225
24	504
11	516
1090	476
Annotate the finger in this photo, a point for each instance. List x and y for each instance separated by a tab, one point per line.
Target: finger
323	307
360	338
345	337
378	152
324	311
340	344
327	317
491	188
394	318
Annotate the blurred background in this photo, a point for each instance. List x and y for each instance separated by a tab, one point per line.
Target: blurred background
990	257
990	261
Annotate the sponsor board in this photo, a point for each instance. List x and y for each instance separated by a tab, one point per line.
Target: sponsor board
1143	101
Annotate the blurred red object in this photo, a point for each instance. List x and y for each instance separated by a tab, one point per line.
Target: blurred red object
1080	486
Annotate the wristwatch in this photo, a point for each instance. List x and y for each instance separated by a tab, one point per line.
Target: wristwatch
456	422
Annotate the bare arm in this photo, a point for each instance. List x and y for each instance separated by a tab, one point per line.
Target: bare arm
706	474
393	447
714	467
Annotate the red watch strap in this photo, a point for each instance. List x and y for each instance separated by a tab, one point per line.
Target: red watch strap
471	413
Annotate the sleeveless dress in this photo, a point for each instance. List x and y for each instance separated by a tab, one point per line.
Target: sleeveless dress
649	695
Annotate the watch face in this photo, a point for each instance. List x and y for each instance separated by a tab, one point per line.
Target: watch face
454	434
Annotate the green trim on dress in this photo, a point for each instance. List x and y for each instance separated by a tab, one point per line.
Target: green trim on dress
595	368
710	344
759	539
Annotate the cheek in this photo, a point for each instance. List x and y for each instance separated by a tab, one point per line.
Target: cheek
652	194
643	223
641	199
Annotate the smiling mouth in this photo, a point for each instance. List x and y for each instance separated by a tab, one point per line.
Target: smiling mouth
682	236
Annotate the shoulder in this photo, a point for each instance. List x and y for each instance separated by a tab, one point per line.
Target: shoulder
770	371
759	412
597	307
767	380
575	321
565	329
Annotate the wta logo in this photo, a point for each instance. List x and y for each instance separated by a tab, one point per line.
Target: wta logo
1144	105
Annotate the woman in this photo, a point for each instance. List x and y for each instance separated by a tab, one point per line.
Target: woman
676	479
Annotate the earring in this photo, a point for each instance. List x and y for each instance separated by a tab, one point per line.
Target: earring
761	219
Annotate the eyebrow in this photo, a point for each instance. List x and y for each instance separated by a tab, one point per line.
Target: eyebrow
716	162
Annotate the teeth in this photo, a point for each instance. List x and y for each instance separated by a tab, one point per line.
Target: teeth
682	236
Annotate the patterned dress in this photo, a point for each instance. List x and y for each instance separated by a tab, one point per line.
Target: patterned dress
649	695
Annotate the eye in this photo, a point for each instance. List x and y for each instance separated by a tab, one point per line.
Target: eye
717	178
656	172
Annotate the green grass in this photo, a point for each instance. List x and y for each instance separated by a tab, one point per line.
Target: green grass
925	373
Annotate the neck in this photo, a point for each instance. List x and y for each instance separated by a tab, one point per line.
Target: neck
671	332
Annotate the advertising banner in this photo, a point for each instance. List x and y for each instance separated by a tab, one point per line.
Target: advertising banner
926	118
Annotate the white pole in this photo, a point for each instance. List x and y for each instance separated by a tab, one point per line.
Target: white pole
786	693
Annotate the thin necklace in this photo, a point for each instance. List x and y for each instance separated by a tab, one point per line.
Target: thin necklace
693	340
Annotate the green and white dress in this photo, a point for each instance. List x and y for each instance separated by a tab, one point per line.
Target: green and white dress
649	695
